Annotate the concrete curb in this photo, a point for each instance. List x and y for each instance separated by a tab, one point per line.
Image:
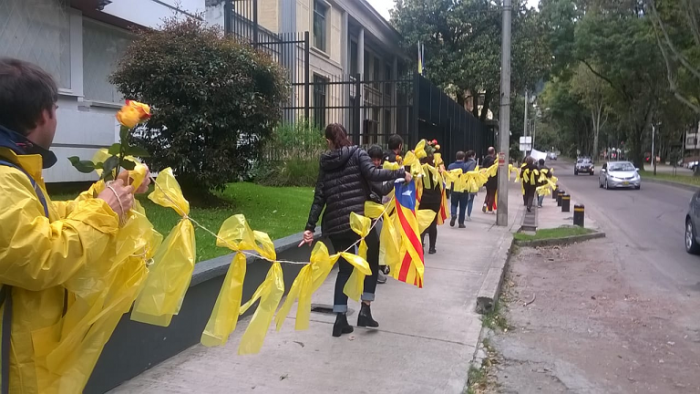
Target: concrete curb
559	241
671	183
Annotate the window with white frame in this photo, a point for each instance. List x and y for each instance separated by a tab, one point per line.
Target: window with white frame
320	24
38	31
103	46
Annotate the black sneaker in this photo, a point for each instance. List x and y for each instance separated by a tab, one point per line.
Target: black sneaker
461	225
364	319
341	325
432	251
452	222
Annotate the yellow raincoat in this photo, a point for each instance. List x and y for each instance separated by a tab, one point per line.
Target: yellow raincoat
37	256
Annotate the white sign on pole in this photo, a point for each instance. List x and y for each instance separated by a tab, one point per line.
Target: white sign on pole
525	143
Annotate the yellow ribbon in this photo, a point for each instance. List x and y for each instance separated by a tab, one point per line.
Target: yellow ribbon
173	262
310	278
355	285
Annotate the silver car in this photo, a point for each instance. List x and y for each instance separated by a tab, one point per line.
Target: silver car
619	174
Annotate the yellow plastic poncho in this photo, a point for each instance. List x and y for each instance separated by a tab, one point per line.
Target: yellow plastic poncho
38	255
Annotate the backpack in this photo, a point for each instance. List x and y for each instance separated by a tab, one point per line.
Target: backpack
6	296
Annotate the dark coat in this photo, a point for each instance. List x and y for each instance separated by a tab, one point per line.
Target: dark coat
432	195
492	183
342	187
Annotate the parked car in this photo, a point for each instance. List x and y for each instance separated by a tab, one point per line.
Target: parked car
552	156
692	220
619	174
584	165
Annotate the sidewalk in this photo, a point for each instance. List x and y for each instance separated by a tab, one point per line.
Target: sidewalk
426	340
551	216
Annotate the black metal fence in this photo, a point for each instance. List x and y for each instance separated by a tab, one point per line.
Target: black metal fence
370	109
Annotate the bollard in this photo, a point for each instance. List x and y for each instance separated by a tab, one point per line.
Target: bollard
566	203
555	192
559	195
578	214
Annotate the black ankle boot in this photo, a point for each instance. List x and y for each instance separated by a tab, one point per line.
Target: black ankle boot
364	319
341	325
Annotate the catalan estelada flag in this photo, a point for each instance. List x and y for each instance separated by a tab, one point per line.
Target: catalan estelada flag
412	265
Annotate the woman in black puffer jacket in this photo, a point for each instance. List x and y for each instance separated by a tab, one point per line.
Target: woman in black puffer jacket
343	187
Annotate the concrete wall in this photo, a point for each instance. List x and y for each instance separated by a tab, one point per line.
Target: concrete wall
135	347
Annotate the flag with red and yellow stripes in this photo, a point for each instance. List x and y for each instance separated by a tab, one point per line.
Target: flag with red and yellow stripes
412	266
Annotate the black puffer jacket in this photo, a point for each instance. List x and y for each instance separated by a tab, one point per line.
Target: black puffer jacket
343	187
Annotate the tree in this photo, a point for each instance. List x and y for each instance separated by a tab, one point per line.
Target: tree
593	94
462	41
677	31
215	101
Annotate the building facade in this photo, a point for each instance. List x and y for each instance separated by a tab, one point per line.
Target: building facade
80	42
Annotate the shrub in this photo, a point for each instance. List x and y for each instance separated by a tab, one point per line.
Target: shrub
291	156
215	101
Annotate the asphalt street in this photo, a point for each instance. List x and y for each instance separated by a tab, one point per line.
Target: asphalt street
649	221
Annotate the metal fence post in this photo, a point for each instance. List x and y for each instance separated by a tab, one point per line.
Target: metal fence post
255	22
228	11
416	108
307	71
357	124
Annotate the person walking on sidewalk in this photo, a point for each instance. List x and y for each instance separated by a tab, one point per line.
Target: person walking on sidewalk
529	179
458	198
395	145
342	188
491	184
547	172
378	191
431	199
470	165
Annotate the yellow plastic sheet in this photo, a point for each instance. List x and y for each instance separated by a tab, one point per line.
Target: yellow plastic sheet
269	293
173	263
355	285
236	235
310	278
389	238
224	316
425	217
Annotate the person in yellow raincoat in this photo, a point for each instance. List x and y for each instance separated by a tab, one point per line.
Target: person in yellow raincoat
42	243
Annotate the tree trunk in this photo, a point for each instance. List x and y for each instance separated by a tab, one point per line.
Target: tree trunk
485	108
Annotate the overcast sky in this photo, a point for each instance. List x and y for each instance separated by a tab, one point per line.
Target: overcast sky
383	6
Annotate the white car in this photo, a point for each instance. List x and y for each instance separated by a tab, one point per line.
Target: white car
619	174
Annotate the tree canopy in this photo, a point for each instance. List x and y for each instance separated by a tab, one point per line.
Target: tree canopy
462	41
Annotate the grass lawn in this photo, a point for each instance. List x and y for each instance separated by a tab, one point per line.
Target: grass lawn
683	179
278	211
552	233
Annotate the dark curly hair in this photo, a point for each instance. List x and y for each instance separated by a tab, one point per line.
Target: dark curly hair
335	133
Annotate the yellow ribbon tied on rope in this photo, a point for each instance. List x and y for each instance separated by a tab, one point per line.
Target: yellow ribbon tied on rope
236	235
310	278
269	293
173	262
360	225
390	237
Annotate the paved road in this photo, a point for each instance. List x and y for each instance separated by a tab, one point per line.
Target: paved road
649	220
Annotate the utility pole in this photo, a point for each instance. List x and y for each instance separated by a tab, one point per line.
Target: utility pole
525	120
504	119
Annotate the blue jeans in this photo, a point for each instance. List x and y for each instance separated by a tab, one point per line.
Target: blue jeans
540	200
340	300
465	203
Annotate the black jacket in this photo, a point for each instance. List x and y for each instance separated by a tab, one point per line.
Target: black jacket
342	187
492	182
432	196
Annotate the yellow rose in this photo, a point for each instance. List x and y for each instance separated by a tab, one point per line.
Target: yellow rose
133	113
